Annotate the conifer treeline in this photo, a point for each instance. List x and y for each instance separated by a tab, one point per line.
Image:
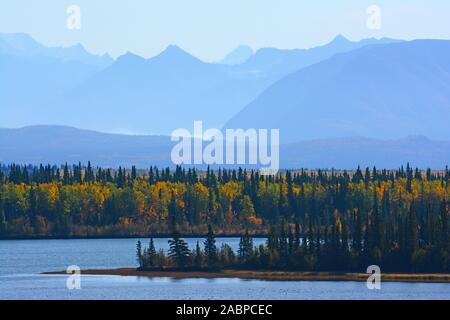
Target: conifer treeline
290	251
374	212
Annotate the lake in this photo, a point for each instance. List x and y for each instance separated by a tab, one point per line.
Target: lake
22	261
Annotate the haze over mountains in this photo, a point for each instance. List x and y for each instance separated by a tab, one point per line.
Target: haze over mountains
373	102
58	145
156	95
277	63
379	91
137	95
31	75
22	45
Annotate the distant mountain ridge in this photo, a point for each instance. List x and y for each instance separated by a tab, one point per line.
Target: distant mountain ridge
23	45
32	74
137	95
58	145
277	63
378	91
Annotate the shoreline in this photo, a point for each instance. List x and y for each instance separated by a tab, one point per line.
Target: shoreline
266	275
112	237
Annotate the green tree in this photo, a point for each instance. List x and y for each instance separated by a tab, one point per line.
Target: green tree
178	250
151	254
139	253
272	240
245	247
210	248
66	175
198	256
296	237
283	242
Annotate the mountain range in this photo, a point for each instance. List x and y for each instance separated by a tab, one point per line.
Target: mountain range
22	45
378	91
59	144
377	102
31	75
137	95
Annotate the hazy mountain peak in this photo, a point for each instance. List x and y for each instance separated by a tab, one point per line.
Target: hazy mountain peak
340	43
239	55
129	54
340	39
23	45
173	54
174	51
129	57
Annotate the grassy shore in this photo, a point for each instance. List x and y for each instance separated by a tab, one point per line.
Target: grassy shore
269	275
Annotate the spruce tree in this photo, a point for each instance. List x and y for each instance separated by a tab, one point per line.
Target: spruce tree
245	247
151	176
178	250
296	237
283	242
173	211
210	248
272	240
139	253
66	175
89	174
133	173
151	253
198	256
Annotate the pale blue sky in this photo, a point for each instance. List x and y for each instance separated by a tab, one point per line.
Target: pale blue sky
211	28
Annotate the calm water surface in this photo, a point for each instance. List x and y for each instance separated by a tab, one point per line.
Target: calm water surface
21	261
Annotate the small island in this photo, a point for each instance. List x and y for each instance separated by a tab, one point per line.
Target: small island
284	257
